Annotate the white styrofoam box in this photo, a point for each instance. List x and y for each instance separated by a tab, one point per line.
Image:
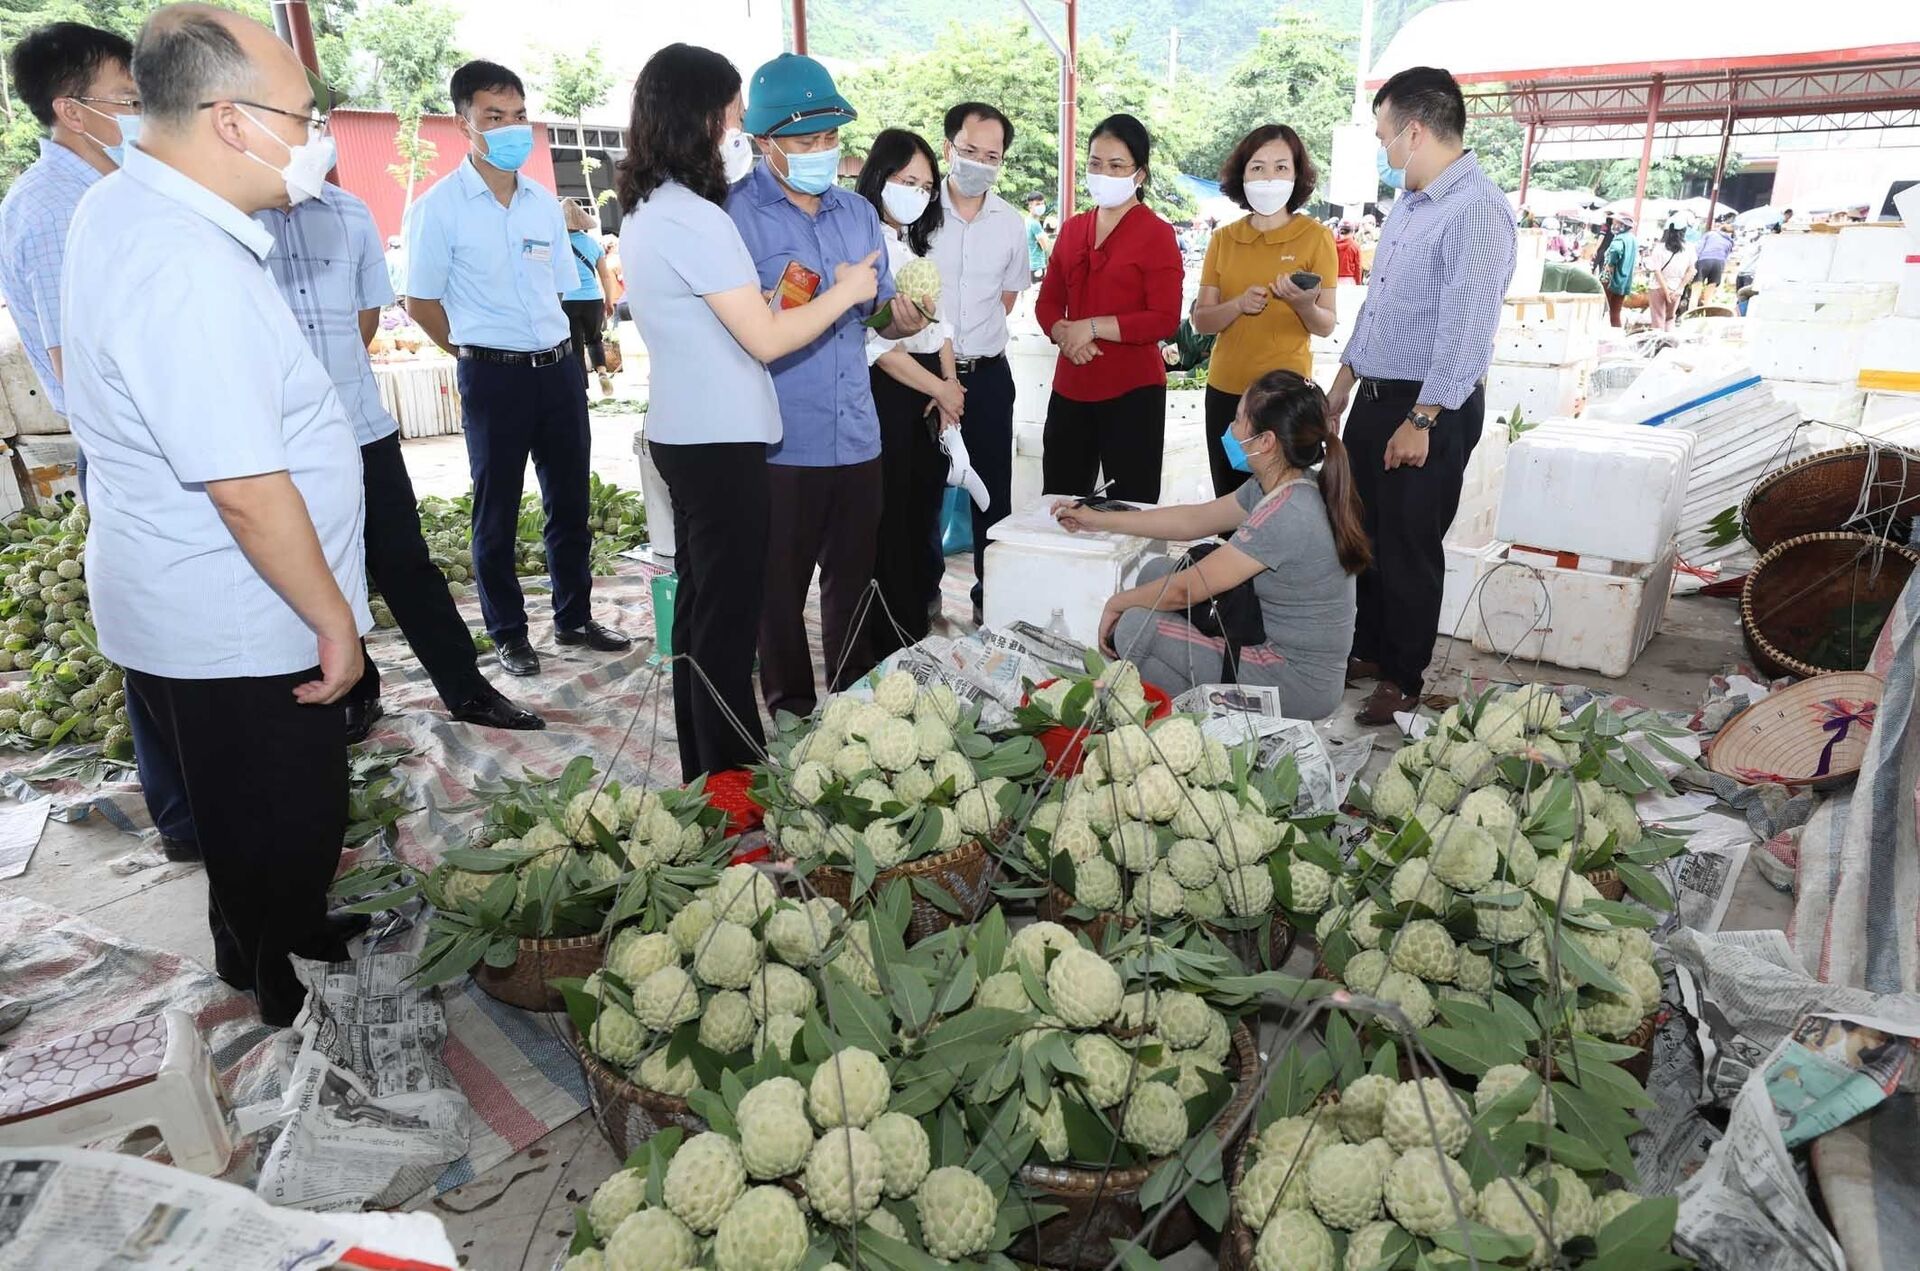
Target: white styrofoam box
1612	490
1185	474
1475	521
1906	301
1031	358
1186	409
52	463
1572	617
1028	445
422	396
10	499
1825	352
1326	366
1874	252
1797	257
1034	567
1549	330
1884	407
1459	603
1541	392
656	499
1823	403
1834	303
24	407
1529	262
1891	347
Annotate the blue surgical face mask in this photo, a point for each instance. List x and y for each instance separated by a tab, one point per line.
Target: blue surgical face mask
1393	178
1235	452
127	134
812	171
508	146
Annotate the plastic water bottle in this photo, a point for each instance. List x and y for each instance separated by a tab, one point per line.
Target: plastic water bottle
1057	625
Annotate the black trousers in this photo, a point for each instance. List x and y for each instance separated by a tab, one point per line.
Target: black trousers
913	473
511	413
1406	513
585	318
401	570
829	518
987	427
1221	407
719	497
1124	437
267	782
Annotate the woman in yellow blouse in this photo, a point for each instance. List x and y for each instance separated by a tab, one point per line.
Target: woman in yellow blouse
1264	322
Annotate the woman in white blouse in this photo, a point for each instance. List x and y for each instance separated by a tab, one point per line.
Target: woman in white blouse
915	392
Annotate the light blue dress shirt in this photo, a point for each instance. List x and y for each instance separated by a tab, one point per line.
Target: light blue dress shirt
329	264
677	249
499	271
33	245
1439	280
185	366
826	400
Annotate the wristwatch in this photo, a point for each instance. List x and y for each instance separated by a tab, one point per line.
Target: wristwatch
1420	421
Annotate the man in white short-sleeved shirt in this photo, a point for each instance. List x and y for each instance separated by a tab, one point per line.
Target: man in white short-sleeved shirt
225	560
981	252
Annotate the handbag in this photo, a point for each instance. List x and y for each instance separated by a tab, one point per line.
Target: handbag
1234	615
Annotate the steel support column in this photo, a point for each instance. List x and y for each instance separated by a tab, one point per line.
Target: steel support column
1526	162
293	25
800	26
1646	146
1720	164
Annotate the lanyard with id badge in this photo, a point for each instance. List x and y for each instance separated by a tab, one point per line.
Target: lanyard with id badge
539	251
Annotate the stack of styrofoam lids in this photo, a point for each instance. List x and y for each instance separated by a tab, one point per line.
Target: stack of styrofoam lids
1811	733
1609	490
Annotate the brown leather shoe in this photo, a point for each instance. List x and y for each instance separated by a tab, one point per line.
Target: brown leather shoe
1358	669
1385	700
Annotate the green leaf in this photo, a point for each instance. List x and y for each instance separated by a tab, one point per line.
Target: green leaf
1586	968
1645	885
857	1019
583	1233
712	1109
990	941
936	895
1298	1079
1133	1257
863	868
1090	1139
962	1038
922	1084
1476	1239
1645	1230
1344	1049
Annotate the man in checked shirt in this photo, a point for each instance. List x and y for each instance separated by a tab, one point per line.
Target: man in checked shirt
1414	372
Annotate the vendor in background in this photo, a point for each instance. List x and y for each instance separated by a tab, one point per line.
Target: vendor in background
589	306
1616	263
824	473
1039	240
78	82
1111	294
1716	246
1188	350
1247	294
610	244
1293	534
1346	253
1669	270
713	415
1603	231
331	272
916	394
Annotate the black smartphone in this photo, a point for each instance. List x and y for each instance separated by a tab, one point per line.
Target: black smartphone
1108	505
1304	279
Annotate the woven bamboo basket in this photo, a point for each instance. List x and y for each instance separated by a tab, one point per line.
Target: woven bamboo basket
1804	594
1862	488
1608	883
1054	905
1100	1208
965	873
1237	1239
627	1114
525	983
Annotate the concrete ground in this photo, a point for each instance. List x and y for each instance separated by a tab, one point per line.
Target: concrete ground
519	1216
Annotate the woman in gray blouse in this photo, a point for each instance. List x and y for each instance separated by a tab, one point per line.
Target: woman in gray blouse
1293	534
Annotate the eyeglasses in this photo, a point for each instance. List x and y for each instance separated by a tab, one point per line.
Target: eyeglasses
131	103
991	157
1112	167
317	120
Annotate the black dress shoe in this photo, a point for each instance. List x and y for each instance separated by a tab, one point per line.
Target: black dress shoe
179	849
595	636
361	717
517	657
491	709
344	926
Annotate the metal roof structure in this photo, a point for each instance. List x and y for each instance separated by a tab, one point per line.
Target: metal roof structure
1641	72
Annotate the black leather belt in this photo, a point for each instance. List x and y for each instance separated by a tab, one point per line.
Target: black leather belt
513	357
1378	388
966	364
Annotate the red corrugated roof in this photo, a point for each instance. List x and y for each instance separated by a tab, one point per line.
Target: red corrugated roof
364	139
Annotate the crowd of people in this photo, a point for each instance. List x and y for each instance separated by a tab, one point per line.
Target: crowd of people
805	411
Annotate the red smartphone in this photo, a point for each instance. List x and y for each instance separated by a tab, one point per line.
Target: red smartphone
797	285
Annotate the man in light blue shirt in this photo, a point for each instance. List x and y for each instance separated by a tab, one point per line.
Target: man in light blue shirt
224	560
328	264
78	82
824	475
487	263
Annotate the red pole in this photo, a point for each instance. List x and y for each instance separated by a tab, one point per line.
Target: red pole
1654	92
1720	164
800	26
1526	163
1070	110
293	25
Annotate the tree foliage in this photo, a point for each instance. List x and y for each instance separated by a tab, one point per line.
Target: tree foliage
1300	73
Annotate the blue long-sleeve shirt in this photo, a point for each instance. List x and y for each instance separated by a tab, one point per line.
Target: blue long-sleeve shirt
1440	275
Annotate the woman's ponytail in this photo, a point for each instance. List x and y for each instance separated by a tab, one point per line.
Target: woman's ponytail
1343	507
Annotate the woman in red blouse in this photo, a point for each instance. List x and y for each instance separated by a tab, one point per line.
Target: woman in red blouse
1110	295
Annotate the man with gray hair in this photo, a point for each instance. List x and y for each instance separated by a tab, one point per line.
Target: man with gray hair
225	560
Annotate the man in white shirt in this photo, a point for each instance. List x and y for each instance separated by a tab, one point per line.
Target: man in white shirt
981	251
225	559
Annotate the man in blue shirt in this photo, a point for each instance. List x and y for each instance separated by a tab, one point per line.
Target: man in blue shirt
224	560
328	264
487	263
1414	371
78	82
824	475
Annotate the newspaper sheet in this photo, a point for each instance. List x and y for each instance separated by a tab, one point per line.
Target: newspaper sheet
365	1019
1702	879
1236	714
70	1207
1677	1138
989	669
1830	1070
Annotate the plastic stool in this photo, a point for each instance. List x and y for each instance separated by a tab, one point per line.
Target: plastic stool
101	1084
